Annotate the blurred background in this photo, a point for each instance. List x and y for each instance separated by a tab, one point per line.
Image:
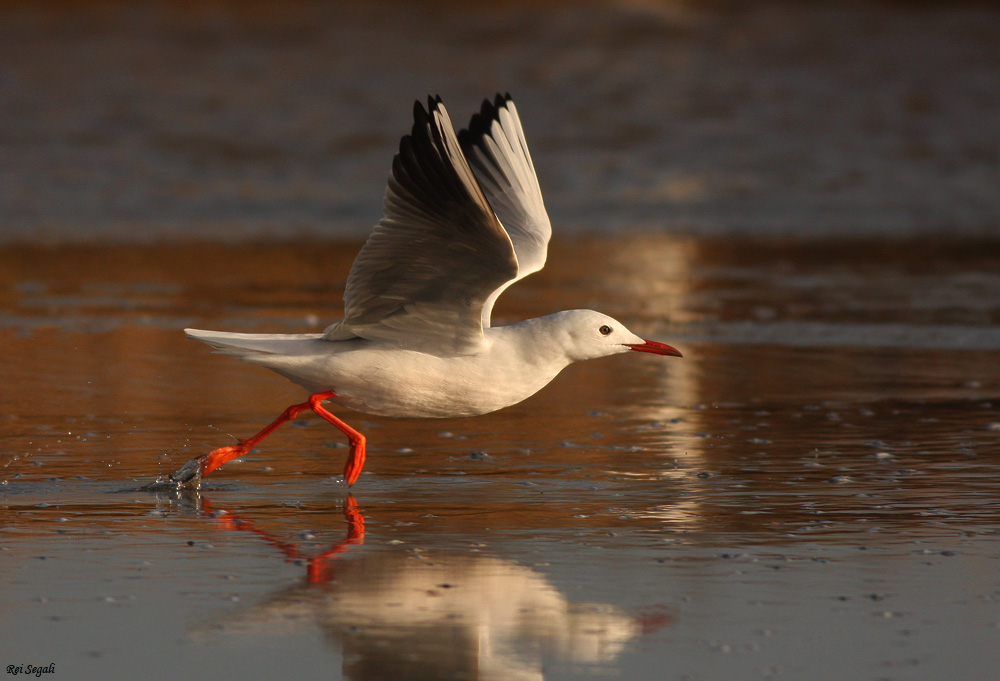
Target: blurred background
163	121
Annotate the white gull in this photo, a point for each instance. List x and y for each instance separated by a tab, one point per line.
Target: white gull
463	220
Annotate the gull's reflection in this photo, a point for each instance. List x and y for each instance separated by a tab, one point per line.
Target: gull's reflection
404	614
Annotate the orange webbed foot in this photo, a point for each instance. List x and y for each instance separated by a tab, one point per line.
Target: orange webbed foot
215	458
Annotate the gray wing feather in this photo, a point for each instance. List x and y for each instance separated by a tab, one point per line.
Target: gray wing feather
437	256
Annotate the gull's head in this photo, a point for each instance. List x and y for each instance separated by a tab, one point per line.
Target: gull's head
589	335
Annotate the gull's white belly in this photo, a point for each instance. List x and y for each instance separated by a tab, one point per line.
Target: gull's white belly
396	382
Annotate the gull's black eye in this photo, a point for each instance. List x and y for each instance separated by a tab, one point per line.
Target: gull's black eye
605	330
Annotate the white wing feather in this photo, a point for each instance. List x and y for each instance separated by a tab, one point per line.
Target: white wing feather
498	153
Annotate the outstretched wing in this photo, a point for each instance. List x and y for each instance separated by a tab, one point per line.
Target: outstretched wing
438	254
495	147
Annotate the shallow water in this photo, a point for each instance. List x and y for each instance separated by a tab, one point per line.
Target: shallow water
809	493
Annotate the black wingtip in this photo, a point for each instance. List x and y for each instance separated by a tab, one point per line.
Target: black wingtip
482	121
479	125
419	143
434	102
420	115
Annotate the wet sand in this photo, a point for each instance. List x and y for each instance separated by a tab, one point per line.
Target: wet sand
809	493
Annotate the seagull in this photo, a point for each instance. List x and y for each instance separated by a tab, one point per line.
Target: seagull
463	220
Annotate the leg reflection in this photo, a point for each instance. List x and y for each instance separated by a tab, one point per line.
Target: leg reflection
319	567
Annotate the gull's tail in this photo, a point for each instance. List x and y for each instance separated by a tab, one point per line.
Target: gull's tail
250	344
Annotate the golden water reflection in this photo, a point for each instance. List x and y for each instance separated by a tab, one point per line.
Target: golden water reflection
416	614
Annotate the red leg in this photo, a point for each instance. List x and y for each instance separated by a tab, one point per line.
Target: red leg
217	457
355	460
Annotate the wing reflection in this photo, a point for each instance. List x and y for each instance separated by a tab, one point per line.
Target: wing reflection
405	614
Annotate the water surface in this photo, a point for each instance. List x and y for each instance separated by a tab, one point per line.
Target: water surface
815	480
